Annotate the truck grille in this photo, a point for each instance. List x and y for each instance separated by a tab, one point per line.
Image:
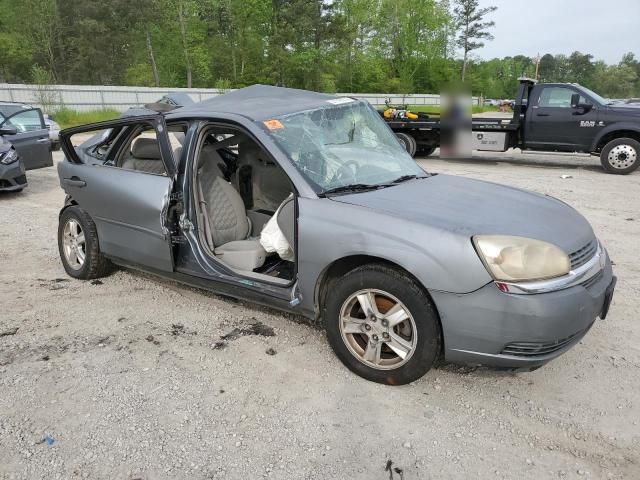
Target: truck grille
531	349
583	255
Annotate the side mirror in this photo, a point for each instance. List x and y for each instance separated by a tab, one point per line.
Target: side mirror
585	107
8	130
582	107
575	100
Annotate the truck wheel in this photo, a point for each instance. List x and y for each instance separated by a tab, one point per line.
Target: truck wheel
425	151
408	142
621	156
78	245
382	325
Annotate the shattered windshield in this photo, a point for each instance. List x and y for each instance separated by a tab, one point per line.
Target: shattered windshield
341	145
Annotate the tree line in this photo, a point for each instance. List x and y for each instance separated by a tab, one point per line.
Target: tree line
390	46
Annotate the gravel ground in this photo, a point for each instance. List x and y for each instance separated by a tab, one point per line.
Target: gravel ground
127	379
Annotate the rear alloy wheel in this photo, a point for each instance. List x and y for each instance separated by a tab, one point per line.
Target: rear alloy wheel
382	325
78	245
74	244
408	142
621	156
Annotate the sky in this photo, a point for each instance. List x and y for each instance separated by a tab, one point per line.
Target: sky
606	29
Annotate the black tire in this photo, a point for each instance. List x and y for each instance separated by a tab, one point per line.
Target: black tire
408	142
425	151
95	264
415	299
623	162
414	146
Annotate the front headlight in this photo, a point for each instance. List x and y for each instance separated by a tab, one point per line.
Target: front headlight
512	259
9	157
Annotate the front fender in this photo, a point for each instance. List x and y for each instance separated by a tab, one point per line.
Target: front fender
329	231
617	126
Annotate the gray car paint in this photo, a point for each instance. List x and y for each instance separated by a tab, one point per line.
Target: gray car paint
477	325
467	207
424	226
33	146
10	172
128	208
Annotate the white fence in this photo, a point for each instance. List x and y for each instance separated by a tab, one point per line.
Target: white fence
88	97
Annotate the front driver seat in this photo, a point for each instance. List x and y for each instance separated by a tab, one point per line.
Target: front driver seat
226	225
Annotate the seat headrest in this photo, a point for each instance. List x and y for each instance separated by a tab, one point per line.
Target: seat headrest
146	149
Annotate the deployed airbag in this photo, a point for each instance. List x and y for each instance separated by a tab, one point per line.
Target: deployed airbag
273	240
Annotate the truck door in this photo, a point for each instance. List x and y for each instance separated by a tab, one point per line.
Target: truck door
126	188
553	124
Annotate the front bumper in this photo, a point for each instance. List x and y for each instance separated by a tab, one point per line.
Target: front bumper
490	327
12	177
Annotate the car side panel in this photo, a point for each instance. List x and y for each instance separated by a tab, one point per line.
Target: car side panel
129	210
329	231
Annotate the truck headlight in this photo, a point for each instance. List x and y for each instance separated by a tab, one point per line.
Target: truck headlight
511	259
9	157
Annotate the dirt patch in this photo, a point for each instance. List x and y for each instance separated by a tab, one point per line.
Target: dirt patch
255	328
9	332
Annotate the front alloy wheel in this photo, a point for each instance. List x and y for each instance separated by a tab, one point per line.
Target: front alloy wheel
378	329
381	324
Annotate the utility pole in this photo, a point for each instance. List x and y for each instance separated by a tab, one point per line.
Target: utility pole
537	59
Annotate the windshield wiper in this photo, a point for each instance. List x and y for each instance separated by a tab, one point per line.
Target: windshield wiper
404	178
355	187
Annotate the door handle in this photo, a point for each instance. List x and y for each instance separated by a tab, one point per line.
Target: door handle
542	115
43	140
74	182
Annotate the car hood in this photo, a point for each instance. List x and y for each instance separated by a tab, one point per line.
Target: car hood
471	207
625	109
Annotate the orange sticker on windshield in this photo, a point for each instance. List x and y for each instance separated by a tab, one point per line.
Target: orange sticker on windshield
273	124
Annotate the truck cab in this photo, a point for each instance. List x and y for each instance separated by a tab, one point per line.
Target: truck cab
562	117
567	117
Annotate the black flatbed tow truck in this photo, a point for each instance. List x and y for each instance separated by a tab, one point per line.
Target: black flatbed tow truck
547	117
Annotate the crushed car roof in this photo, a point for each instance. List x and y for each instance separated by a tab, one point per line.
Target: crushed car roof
261	102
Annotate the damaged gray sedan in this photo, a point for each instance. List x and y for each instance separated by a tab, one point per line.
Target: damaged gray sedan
307	203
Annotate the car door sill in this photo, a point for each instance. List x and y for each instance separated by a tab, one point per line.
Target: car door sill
220	287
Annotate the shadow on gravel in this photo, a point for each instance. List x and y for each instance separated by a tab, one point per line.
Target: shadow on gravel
184	289
481	371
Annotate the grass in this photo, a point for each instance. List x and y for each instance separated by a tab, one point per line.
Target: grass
70	118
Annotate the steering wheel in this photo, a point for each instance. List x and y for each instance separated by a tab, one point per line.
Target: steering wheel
347	173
